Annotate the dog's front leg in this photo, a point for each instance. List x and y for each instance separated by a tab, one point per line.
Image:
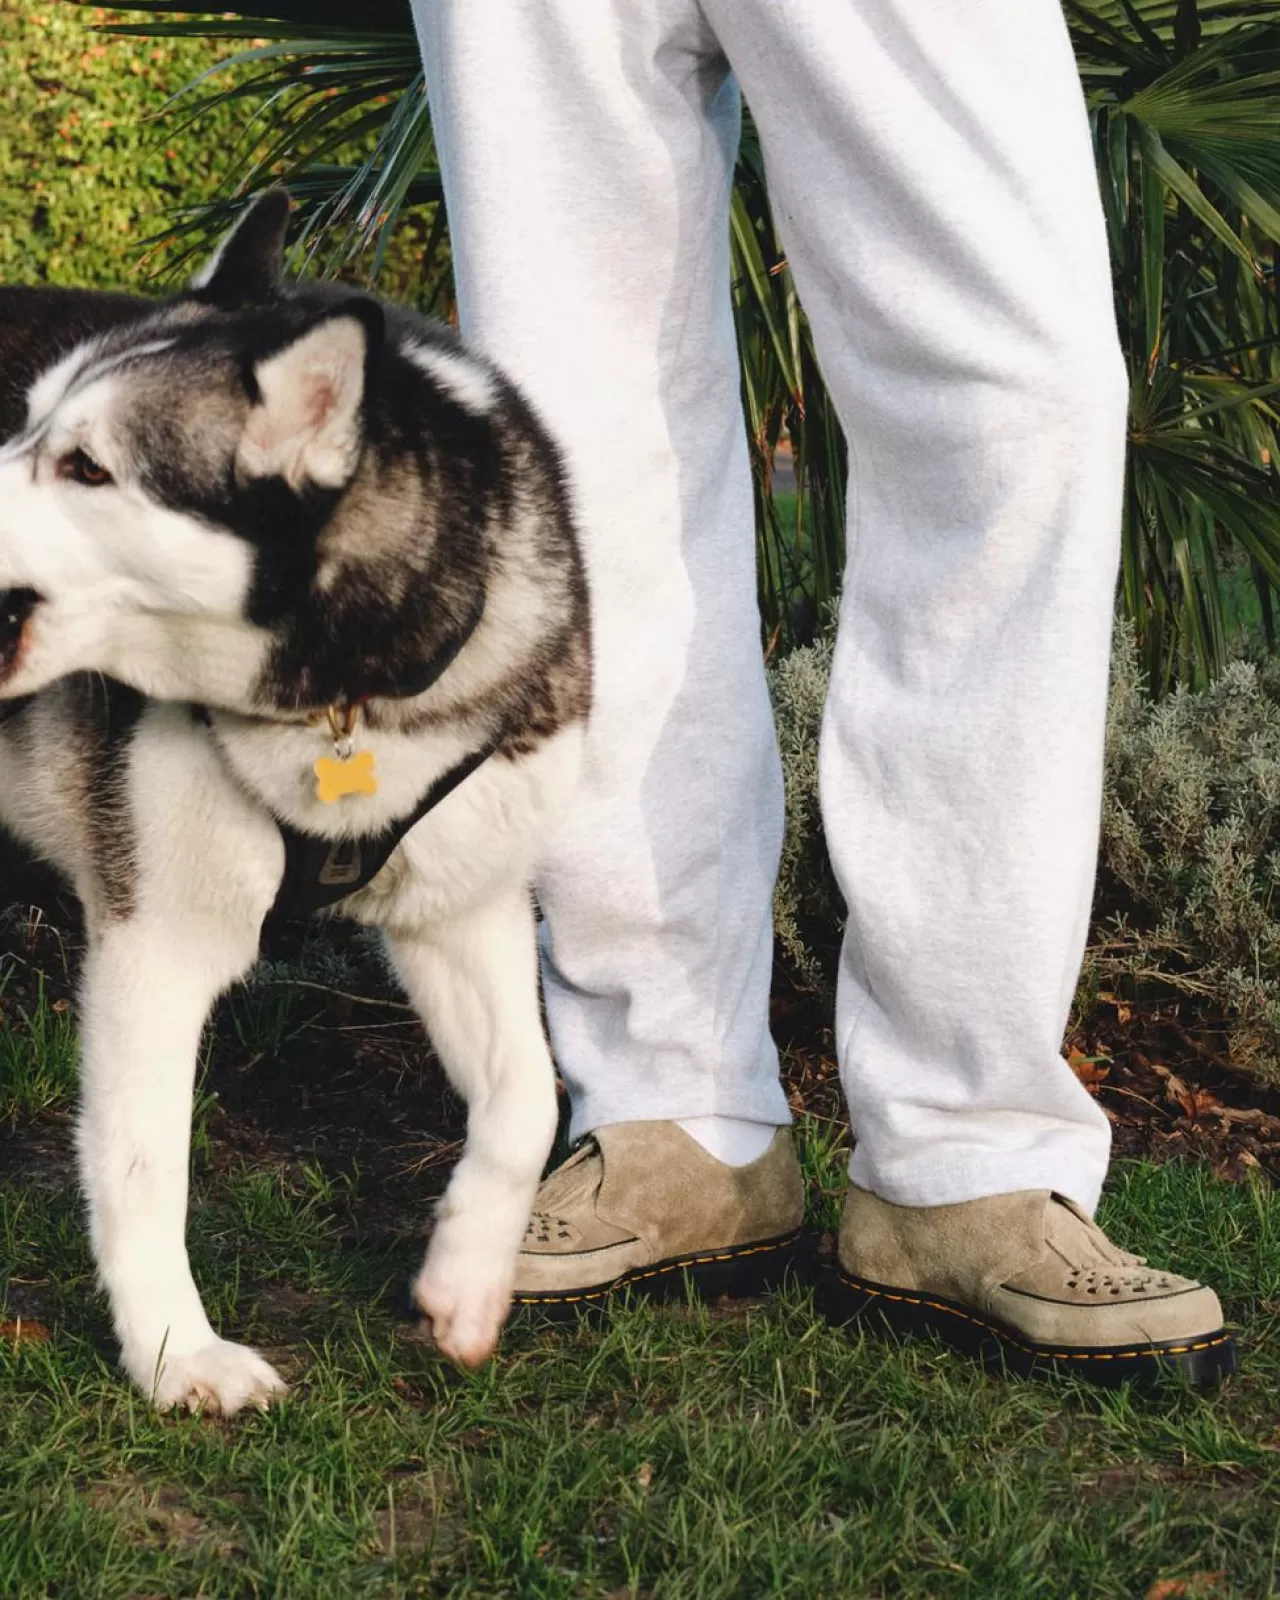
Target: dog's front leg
474	979
146	992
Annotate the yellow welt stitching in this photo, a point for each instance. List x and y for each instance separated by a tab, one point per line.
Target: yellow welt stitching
1035	1350
653	1272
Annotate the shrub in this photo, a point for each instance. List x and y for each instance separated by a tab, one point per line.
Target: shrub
95	166
1189	864
807	909
89	173
1190	859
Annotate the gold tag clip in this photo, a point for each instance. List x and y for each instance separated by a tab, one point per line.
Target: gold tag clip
347	771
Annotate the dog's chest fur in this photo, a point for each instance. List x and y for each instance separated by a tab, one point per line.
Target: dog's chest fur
488	833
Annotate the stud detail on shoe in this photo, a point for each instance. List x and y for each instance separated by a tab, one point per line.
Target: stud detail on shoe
1026	1280
643	1207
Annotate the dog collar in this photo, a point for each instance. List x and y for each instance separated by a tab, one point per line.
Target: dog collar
11	708
320	872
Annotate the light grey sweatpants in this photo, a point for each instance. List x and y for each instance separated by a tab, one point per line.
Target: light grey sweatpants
930	170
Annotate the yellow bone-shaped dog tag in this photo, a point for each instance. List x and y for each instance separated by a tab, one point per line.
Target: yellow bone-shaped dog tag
335	778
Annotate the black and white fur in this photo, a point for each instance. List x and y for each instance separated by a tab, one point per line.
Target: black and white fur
263	499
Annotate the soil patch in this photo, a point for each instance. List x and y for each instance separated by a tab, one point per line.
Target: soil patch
319	1058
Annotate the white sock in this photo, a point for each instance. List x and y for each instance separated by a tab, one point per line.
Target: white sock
729	1139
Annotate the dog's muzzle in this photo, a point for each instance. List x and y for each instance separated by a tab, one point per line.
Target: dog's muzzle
16	607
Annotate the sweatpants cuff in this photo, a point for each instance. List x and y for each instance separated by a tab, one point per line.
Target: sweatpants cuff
935	1179
769	1107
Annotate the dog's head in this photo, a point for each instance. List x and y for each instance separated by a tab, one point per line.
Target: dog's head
166	508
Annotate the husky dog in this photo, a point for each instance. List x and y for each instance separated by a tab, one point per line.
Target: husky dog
288	581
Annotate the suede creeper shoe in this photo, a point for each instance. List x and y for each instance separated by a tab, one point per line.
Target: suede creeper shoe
642	1207
1025	1280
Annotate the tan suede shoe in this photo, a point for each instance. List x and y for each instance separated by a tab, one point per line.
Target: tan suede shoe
643	1207
1024	1279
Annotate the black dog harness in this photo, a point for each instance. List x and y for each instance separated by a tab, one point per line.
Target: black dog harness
319	872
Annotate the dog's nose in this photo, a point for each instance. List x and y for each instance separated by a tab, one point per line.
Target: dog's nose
16	606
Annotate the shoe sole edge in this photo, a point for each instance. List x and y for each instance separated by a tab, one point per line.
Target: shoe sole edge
738	1271
846	1299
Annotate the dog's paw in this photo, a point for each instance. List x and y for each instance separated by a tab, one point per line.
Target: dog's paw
465	1306
220	1376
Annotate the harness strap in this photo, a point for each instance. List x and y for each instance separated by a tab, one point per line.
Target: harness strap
320	872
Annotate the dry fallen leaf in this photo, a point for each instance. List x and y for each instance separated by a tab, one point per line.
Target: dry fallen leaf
1197	1103
1089	1069
24	1331
644	1477
1196	1583
1174	1087
1123	1010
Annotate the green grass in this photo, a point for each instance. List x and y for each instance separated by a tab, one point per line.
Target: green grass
38	1051
742	1451
682	1452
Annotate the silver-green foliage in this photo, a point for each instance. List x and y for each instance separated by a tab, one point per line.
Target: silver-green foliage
1189	863
808	912
1190	857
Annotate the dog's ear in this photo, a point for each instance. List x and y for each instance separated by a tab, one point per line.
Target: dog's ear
307	424
249	263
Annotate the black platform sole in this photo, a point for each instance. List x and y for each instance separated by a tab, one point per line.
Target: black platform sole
739	1273
907	1314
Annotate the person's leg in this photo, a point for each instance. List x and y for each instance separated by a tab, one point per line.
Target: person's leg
930	168
587	153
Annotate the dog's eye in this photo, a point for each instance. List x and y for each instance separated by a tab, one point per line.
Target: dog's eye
80	467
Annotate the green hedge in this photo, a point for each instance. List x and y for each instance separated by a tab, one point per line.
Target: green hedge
94	165
90	170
